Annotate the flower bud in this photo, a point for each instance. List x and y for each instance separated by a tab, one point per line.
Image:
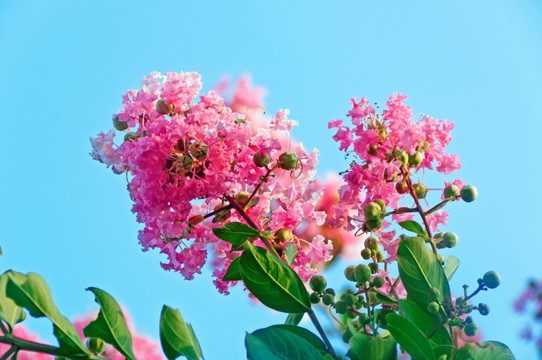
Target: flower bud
95	345
350	299
349	273
194	220
362	273
371	243
382	134
261	158
401	187
199	150
432	308
314	298
283	235
330	291
288	160
380	256
415	160
421	190
471	329
468	347
318	283
374	267
451	191
241	197
341	307
483	309
366	253
492	279
433	293
373	150
163	108
328	299
378	281
131	136
469	193
381	203
372	210
120	125
449	239
373	224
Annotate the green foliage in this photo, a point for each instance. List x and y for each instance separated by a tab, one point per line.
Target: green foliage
9	311
425	322
409	337
362	347
177	337
273	282
32	293
234	271
236	233
294	319
290	252
420	270
284	342
414	227
110	325
493	350
450	266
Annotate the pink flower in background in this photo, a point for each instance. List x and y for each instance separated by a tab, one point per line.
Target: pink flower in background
529	302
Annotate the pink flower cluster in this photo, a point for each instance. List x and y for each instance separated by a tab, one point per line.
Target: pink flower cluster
185	157
530	301
389	146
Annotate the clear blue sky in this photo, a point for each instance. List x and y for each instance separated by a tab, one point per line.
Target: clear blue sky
65	64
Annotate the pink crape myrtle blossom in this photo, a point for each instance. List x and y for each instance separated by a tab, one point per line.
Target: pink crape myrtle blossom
185	158
382	142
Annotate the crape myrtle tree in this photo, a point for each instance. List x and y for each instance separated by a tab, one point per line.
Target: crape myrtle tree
216	179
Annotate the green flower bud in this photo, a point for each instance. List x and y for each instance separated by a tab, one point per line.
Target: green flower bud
95	345
341	307
261	158
314	298
131	136
241	197
379	256
451	191
163	108
372	210
373	224
366	254
449	239
328	299
421	190
288	160
374	267
460	301
492	279
432	308
378	282
362	273
471	329
469	193
120	125
350	299
330	291
284	234
483	309
416	159
433	293
347	335
318	283
371	243
349	273
382	204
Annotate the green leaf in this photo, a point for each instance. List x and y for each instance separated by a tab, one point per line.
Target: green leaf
410	338
110	325
450	266
444	350
425	322
177	337
32	293
382	297
284	342
413	226
290	252
420	270
363	347
236	232
273	282
294	319
252	202
494	351
9	311
234	271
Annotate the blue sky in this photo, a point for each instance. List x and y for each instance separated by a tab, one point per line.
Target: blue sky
65	65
